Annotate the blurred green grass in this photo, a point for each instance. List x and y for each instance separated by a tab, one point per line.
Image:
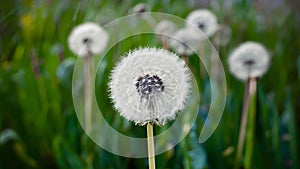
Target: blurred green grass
36	99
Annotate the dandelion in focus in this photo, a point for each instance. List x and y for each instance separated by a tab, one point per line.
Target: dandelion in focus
150	86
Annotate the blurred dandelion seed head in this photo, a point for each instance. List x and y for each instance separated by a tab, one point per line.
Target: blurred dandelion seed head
222	36
140	8
165	27
150	85
203	19
185	41
249	60
88	38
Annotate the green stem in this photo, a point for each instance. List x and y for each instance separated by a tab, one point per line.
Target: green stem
292	128
185	58
251	125
243	125
151	156
205	57
87	93
164	41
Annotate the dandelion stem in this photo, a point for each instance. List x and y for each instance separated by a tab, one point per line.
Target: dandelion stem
185	58
87	93
205	61
243	125
151	157
251	124
165	43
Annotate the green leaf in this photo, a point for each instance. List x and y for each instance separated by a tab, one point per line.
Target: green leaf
195	155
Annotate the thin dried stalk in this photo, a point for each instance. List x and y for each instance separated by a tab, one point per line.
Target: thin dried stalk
151	156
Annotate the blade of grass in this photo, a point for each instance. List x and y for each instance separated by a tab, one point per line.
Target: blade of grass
292	133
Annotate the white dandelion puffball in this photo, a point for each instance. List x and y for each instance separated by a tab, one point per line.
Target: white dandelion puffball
86	39
249	60
203	19
150	85
222	36
165	27
140	8
185	40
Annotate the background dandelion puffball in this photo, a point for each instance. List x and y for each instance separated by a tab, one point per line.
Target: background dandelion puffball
150	85
140	8
203	19
86	39
185	41
165	27
250	59
222	36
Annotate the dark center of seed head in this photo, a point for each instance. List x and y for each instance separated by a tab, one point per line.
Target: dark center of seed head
149	85
142	10
86	40
201	26
249	62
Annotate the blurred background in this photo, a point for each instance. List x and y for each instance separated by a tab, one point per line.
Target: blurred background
38	124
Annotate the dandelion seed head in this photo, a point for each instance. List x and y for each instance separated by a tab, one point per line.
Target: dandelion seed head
250	59
140	8
222	36
185	41
150	85
165	27
147	86
203	19
86	39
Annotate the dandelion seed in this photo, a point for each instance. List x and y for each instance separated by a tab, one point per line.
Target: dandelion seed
150	85
86	39
249	60
185	41
203	19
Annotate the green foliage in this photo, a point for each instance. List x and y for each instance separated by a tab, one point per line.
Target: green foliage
38	124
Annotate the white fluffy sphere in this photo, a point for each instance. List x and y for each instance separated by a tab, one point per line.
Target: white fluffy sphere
250	59
150	85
